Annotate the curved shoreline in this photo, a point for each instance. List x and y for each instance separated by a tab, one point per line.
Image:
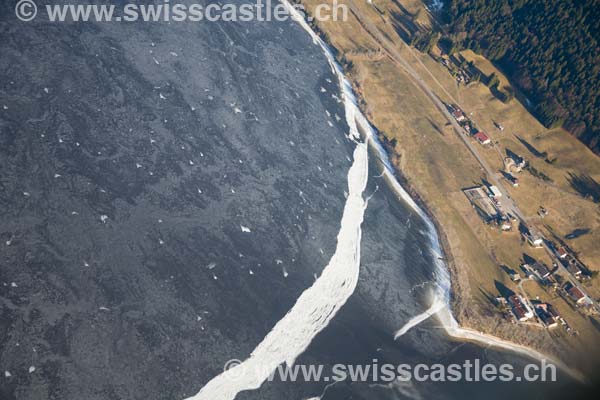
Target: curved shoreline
441	304
445	271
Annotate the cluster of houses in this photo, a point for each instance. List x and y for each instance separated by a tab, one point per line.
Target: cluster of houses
468	125
522	311
571	263
512	164
486	200
461	75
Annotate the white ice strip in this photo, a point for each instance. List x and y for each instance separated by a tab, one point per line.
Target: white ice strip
443	283
436	306
318	304
315	307
442	276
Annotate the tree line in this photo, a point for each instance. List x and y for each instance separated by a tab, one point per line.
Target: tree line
549	48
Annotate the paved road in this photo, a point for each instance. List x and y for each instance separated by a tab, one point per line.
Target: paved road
506	202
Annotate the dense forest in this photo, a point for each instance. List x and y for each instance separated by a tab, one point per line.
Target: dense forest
549	48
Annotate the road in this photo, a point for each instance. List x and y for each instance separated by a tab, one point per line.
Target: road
506	201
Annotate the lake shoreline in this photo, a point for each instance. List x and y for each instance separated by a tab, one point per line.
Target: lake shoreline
471	324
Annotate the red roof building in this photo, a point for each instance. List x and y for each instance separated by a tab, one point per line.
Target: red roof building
519	308
562	253
459	115
482	138
575	293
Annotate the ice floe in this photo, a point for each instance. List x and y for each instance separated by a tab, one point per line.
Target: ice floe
318	304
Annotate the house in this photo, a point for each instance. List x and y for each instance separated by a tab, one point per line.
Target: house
504	222
534	241
505	225
514	276
513	181
562	253
495	192
577	295
540	269
547	314
482	138
573	267
459	116
519	308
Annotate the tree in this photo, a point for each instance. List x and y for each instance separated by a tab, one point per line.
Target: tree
548	48
493	81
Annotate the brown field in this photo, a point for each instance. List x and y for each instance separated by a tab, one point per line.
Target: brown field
437	165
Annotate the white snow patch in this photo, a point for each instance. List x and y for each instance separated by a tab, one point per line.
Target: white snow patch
245	229
318	304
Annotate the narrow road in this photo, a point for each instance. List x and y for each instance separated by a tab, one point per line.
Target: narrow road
506	202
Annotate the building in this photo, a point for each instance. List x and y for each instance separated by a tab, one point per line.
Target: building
482	138
562	253
577	295
495	192
573	267
534	241
482	203
459	116
519	308
540	269
547	314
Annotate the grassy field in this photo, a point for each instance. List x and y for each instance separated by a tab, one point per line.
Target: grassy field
438	166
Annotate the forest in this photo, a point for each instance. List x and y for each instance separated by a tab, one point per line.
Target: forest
548	48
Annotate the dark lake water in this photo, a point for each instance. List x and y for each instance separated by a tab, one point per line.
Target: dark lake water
134	158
